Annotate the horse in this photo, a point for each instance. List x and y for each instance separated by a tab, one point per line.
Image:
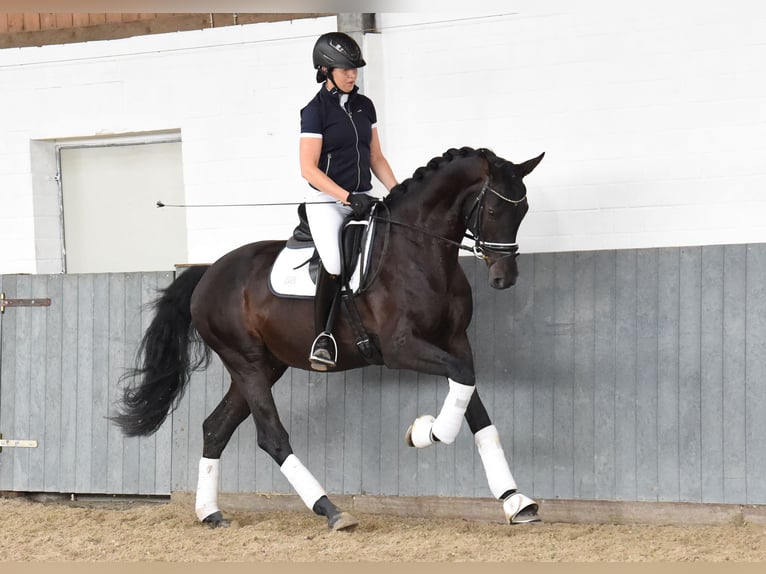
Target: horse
416	309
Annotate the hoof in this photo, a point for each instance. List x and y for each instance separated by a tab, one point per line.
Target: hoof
342	521
419	433
520	509
216	520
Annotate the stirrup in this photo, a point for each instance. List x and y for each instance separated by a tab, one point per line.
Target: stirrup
322	357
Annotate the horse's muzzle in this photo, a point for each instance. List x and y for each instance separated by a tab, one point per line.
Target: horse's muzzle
504	272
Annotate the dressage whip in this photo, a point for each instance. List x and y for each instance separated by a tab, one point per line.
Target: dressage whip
386	219
458	244
190	205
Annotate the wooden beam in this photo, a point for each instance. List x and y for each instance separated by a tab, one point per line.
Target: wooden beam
490	510
83	29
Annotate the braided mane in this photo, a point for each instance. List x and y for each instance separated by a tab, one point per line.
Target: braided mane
437	163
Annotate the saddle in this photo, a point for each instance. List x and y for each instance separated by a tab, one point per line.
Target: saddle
294	272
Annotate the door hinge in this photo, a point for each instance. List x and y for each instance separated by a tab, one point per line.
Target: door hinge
22	302
11	443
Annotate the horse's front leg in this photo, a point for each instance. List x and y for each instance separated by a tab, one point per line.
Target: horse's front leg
458	368
427	429
519	508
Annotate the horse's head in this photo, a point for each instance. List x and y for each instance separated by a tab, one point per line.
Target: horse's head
496	216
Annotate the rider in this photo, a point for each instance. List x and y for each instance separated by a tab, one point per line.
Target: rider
339	146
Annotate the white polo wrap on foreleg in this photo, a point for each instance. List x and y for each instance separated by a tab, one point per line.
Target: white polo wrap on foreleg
207	487
495	464
448	423
304	483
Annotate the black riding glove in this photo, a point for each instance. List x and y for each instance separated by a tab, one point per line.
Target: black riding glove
361	203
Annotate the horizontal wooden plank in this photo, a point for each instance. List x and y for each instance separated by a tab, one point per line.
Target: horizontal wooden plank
490	510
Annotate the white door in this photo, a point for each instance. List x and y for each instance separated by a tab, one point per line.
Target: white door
111	222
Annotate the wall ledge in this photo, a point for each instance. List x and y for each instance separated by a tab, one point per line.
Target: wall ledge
489	510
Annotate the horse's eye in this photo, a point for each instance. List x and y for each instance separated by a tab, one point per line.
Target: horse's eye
491	212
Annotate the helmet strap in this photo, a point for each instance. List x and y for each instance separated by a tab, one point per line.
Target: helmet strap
332	81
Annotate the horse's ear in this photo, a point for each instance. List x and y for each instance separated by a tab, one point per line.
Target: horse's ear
524	169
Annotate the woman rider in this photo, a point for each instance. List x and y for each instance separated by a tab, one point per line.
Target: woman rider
339	146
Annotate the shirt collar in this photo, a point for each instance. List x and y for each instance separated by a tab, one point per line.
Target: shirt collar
335	94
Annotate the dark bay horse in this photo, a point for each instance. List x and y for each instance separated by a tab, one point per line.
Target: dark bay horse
417	310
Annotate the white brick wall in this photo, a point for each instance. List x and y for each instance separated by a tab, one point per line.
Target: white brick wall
652	116
234	94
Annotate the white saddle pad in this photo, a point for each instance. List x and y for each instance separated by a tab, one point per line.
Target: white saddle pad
290	273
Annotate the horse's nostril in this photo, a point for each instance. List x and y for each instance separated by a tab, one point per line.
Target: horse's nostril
503	282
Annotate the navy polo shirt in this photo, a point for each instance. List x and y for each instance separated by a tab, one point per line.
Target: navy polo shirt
346	133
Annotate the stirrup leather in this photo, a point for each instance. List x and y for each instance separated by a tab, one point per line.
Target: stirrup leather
322	356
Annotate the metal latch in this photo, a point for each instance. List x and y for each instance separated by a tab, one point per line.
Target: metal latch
10	443
22	302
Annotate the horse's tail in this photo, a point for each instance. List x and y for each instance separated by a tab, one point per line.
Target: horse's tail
170	351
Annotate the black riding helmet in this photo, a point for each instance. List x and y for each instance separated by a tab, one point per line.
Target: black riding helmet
336	50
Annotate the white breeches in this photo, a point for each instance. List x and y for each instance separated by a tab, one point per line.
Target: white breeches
326	217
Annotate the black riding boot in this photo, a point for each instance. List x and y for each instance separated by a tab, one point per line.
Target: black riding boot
324	351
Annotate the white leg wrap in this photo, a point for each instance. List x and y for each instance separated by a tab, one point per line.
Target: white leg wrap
448	423
495	464
304	483
207	487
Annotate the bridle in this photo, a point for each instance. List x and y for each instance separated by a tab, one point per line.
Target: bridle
473	225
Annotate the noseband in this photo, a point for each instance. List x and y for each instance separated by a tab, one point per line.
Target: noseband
473	225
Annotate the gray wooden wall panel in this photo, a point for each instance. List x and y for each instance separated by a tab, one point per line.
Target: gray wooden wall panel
668	459
711	369
617	375
733	395
646	377
7	382
755	368
58	373
583	372
603	391
53	382
390	436
118	357
515	426
690	399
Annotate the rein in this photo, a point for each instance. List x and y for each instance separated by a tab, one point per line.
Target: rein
423	231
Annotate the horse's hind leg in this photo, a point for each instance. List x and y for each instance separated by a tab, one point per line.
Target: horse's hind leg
217	431
519	509
274	440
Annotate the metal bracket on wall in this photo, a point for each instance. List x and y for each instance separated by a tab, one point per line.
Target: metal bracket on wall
10	443
22	302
